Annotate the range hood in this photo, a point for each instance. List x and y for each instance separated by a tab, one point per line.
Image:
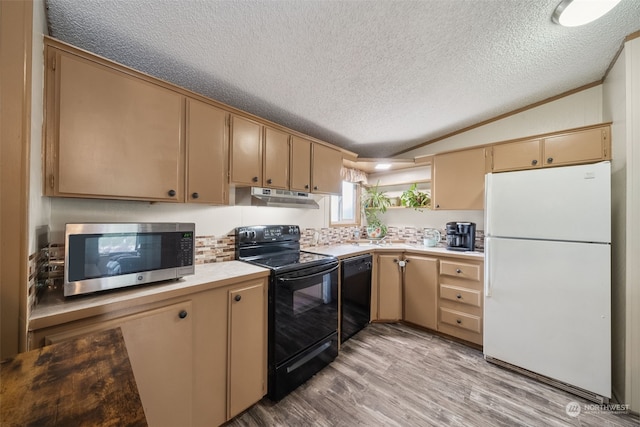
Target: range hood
257	196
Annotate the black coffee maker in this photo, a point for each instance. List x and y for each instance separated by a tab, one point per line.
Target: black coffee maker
461	236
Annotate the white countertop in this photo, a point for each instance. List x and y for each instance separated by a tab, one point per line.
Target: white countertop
347	250
54	308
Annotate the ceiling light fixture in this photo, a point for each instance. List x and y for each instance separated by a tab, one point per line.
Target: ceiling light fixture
382	166
572	13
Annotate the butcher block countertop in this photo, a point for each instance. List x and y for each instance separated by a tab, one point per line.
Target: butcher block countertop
84	381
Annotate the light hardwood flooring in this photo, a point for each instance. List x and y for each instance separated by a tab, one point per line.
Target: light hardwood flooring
394	375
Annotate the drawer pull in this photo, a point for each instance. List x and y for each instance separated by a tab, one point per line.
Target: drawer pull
459	322
459	296
458	271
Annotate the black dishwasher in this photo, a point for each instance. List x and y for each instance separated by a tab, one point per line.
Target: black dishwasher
356	295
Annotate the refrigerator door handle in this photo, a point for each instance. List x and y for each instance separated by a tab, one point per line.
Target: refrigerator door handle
487	268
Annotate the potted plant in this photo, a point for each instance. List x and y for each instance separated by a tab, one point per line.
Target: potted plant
375	202
415	198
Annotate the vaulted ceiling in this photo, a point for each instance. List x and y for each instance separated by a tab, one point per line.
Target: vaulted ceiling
375	77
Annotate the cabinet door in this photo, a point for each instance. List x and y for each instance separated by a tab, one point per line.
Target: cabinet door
517	155
458	180
246	151
389	287
300	164
111	135
326	166
160	347
276	159
577	147
247	347
206	153
420	292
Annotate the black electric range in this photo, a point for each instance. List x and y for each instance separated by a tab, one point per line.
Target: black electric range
303	304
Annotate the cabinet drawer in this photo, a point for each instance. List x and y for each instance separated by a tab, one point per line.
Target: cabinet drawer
461	295
461	320
459	269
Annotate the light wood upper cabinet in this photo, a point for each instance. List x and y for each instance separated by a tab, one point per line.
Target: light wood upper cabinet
300	162
420	293
458	180
561	149
207	153
325	170
247	347
389	287
276	159
109	134
577	147
517	155
246	151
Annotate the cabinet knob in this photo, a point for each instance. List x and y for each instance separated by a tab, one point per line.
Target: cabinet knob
182	314
171	193
306	186
550	160
254	179
238	297
269	181
407	261
195	195
437	206
458	271
315	187
459	296
395	260
458	321
534	162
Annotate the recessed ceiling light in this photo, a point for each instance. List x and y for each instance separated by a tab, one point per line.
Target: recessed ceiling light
572	13
382	166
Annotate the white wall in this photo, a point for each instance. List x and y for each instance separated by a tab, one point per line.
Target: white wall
209	220
39	207
430	219
580	109
614	110
632	383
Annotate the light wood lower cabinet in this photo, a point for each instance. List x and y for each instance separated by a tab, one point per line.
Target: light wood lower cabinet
389	287
438	293
198	361
247	344
420	292
461	299
160	345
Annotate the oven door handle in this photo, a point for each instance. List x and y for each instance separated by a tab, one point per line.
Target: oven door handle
320	273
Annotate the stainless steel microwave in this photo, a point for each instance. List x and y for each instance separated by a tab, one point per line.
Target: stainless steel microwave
108	256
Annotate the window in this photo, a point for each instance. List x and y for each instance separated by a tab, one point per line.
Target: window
345	209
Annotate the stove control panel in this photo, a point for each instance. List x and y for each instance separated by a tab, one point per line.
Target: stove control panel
267	233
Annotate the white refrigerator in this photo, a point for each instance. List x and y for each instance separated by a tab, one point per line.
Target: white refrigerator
547	306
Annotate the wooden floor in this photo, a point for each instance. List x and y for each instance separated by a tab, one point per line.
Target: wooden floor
394	375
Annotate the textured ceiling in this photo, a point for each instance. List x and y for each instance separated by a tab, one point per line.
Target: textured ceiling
374	77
